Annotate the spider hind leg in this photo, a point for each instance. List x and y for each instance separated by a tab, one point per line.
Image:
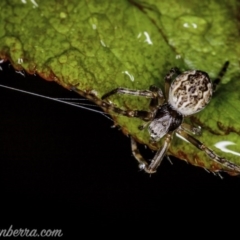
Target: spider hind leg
195	130
210	153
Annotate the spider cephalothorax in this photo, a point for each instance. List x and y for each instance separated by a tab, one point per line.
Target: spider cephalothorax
187	94
166	120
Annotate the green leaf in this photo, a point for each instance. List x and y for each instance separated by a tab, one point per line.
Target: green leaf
100	45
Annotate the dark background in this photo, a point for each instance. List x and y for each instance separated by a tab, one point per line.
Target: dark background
59	163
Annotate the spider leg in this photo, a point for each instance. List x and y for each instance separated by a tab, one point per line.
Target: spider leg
120	90
210	153
141	114
108	106
154	93
158	100
138	156
168	79
195	130
155	103
220	75
156	161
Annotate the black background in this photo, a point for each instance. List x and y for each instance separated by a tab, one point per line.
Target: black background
63	167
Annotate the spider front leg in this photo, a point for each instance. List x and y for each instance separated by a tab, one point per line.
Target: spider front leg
154	93
107	106
210	153
120	90
156	161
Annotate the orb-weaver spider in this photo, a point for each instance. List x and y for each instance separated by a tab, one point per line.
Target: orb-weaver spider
187	94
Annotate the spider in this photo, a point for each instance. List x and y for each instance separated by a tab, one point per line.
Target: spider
187	94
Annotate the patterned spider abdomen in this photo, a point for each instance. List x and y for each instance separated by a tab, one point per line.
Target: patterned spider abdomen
190	92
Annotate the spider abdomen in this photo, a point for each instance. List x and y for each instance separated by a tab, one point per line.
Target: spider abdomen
190	92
